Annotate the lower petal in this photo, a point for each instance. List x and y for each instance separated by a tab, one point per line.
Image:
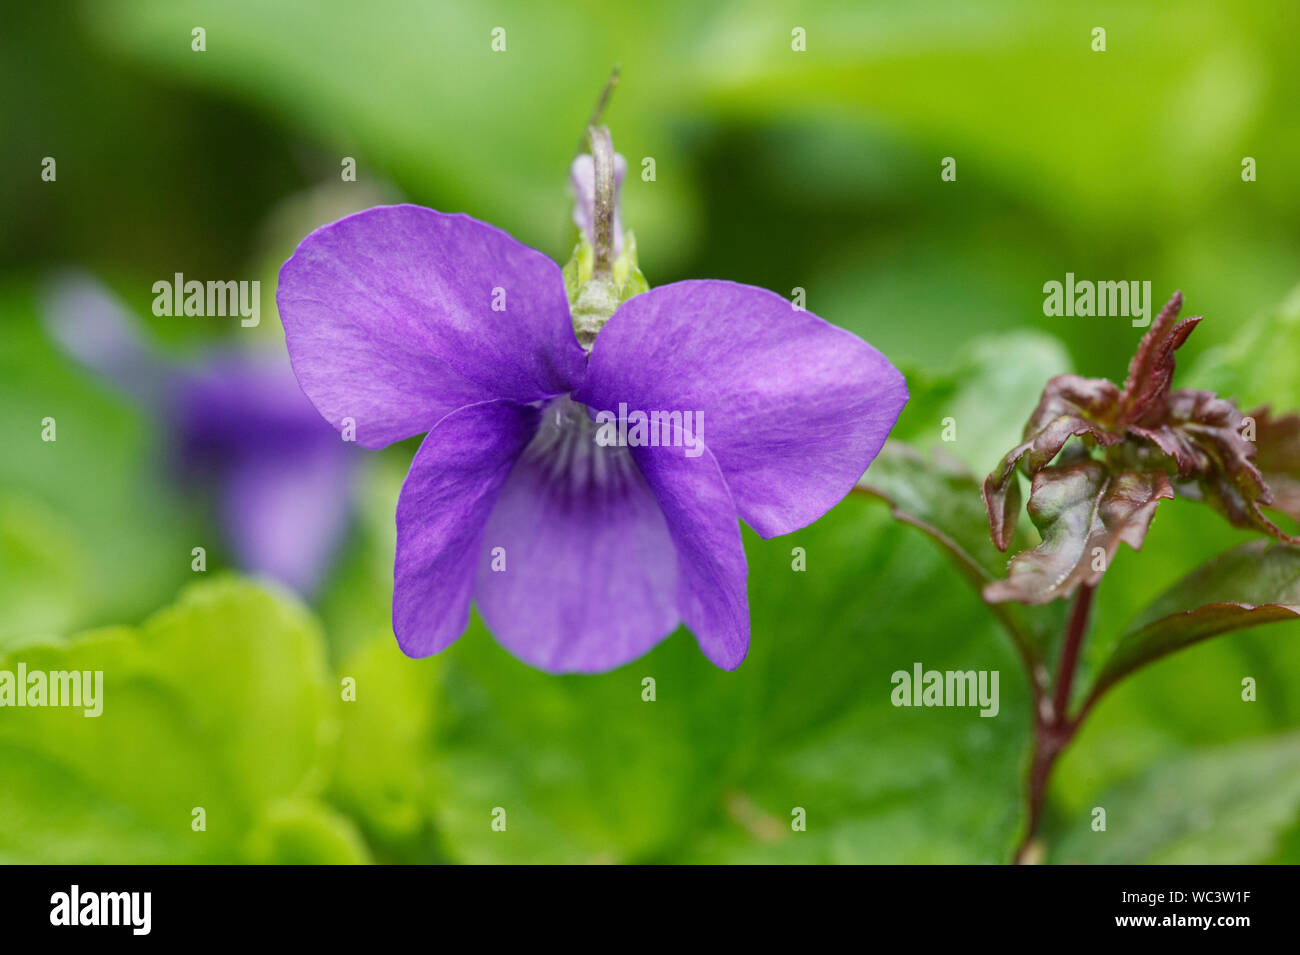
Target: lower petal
449	492
711	568
577	571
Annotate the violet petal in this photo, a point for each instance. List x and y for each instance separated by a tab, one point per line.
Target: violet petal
284	513
711	568
578	572
390	322
442	510
241	423
795	409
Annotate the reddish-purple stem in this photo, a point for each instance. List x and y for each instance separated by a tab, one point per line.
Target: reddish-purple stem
1053	728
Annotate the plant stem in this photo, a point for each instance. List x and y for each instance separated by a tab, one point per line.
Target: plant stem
602	160
1053	728
1074	634
605	94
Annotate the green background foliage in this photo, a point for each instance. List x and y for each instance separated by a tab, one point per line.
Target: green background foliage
818	170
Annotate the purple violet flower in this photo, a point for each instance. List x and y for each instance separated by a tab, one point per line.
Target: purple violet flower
238	423
283	481
580	554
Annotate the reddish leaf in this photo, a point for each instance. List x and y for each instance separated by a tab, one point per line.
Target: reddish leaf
1277	455
1083	513
1212	451
1152	370
1147	433
1071	406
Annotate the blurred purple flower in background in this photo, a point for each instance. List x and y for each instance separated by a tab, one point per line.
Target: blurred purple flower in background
580	556
238	424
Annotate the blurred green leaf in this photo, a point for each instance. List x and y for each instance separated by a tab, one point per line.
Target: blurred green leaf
1253	584
942	500
98	488
938	72
381	771
1258	365
878	789
304	832
219	702
42	572
497	145
988	392
1223	805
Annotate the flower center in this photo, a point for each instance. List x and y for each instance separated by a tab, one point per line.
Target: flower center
564	451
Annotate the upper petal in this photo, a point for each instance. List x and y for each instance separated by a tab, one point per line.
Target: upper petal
794	408
578	572
442	510
390	320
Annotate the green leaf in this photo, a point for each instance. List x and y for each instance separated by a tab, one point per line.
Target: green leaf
1255	583
304	832
1257	366
974	408
218	702
939	497
508	171
587	770
42	572
381	770
881	786
1225	805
